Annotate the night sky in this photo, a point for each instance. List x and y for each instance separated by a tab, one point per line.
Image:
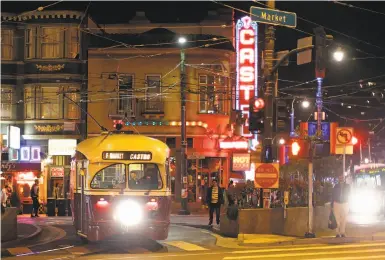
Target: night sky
361	33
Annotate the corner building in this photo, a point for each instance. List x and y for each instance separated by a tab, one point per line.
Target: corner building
134	76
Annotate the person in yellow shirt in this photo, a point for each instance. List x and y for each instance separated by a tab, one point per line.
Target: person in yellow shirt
214	199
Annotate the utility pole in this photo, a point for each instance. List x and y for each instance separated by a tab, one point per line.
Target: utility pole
183	158
269	90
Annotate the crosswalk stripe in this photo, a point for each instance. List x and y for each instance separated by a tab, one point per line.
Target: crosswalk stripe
308	248
373	250
78	250
19	250
185	246
353	257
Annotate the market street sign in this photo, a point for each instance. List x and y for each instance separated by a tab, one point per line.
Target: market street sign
274	17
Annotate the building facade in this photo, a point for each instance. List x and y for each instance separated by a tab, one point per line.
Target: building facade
43	76
134	76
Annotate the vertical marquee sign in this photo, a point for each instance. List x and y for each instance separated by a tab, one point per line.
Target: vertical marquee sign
247	66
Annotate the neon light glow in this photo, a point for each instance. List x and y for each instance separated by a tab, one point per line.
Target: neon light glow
234	145
295	148
247	66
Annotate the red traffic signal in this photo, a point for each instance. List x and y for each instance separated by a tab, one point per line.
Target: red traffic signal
258	104
295	148
118	124
354	140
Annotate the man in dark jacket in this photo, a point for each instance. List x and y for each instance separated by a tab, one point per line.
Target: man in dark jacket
340	206
35	199
214	199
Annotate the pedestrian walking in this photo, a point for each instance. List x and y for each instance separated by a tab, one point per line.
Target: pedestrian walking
231	193
4	198
214	199
340	207
35	199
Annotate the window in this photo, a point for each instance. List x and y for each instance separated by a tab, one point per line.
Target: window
73	111
50	42
6	103
30	43
125	93
49	108
29	103
144	176
190	142
171	142
153	93
111	177
74	42
6	44
211	97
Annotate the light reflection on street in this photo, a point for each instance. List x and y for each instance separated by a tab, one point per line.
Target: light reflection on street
369	219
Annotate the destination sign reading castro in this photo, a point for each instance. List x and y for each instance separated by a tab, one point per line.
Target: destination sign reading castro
133	156
274	17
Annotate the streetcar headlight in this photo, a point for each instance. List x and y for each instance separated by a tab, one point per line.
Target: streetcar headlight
129	213
365	202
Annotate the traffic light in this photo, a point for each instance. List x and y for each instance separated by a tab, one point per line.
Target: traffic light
321	42
295	148
118	124
282	116
256	115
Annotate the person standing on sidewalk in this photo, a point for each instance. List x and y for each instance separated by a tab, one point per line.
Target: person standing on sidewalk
214	199
231	193
340	206
35	199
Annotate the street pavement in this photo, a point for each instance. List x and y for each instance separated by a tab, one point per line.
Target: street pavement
189	237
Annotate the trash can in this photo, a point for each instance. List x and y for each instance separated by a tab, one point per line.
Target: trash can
61	210
27	207
51	207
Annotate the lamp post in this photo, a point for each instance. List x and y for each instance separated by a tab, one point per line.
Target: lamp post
183	148
305	104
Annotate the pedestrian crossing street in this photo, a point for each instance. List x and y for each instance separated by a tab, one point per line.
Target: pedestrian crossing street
356	251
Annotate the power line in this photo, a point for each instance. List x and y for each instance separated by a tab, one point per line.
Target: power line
356	7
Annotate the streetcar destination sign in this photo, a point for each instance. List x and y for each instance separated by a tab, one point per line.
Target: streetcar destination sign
133	156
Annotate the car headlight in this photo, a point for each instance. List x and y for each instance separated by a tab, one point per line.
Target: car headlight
129	213
365	202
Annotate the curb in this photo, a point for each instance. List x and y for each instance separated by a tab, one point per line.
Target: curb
6	253
322	240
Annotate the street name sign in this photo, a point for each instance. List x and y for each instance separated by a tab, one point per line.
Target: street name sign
273	17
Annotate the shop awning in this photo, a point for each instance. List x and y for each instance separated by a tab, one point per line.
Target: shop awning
237	175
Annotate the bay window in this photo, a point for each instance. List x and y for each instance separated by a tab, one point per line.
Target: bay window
6	44
6	103
48	102
153	93
52	42
211	94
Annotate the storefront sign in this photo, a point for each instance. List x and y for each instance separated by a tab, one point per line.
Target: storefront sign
247	66
234	145
12	167
134	156
266	175
13	154
240	162
57	172
13	137
62	146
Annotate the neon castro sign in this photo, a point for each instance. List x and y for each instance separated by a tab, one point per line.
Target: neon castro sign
247	66
132	156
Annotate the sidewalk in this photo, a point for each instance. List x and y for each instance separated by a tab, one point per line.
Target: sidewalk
25	232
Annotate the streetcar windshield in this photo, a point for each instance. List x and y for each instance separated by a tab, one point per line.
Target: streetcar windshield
109	177
144	176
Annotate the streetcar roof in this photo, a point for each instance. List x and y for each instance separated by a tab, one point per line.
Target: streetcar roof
93	148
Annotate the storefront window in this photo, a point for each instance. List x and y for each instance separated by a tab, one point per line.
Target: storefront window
144	176
110	177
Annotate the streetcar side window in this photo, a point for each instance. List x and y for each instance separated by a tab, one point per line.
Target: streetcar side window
109	177
144	176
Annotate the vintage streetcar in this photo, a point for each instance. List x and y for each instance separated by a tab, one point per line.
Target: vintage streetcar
120	185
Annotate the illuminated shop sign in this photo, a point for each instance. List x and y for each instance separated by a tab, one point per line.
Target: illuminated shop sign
13	137
57	172
25	153
35	153
62	146
247	66
240	162
234	145
133	156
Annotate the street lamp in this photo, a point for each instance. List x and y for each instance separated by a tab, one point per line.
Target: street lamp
183	159
305	104
338	55
281	141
